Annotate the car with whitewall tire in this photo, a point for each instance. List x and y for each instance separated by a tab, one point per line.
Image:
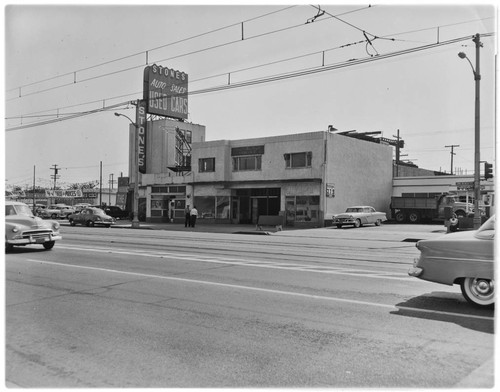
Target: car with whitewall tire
463	258
23	228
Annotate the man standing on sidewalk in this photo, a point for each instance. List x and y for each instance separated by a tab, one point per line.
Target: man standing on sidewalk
187	217
194	215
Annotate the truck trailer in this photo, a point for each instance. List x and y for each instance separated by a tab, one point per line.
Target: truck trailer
417	207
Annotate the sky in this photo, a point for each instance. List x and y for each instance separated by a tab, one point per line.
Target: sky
382	67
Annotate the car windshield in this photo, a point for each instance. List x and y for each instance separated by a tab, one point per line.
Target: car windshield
18	210
487	230
352	209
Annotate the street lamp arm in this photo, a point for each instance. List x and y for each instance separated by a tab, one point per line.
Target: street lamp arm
127	117
462	55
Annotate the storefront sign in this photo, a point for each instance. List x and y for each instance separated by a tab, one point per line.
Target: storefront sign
141	135
63	193
166	92
247	150
465	186
330	190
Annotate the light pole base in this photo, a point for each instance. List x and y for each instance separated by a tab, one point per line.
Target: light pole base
136	224
477	222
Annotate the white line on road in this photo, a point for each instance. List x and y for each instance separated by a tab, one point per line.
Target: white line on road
258	289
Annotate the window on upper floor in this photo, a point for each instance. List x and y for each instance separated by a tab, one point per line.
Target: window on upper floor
206	165
298	159
247	163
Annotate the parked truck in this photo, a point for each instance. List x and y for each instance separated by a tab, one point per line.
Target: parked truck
415	207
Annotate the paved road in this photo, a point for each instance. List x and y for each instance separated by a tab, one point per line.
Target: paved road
302	308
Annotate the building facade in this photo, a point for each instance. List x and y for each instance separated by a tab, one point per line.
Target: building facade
305	177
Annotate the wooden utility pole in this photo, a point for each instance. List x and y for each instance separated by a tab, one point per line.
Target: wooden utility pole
452	153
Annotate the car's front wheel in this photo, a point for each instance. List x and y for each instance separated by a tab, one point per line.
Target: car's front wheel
378	222
339	226
49	245
53	216
357	223
478	291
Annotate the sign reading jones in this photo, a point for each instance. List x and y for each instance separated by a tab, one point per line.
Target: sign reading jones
166	91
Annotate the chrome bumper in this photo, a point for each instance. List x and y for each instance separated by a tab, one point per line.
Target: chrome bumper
414	270
31	240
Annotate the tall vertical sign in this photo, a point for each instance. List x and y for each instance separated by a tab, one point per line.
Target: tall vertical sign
166	92
141	125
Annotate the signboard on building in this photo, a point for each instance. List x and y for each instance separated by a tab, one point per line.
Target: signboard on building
63	193
166	92
465	186
141	135
330	190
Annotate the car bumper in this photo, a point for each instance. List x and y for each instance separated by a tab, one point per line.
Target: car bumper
343	221
34	240
414	270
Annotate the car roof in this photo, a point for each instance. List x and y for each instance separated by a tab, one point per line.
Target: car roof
16	203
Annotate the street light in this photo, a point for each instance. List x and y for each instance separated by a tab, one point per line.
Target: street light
135	219
477	177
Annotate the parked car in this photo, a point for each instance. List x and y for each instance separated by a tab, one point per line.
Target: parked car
116	212
65	210
23	228
358	216
91	216
80	206
464	258
50	212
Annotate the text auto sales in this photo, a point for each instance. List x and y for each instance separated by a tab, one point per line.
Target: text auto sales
168	91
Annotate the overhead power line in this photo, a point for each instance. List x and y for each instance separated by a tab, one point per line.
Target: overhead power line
146	55
268	79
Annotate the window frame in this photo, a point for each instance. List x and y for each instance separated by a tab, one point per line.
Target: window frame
305	156
202	162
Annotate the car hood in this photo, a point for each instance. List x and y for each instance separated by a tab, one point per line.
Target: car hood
27	221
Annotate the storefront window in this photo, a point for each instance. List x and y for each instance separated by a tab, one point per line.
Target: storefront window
302	208
205	206
222	207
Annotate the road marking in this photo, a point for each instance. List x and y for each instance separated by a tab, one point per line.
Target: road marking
258	289
258	264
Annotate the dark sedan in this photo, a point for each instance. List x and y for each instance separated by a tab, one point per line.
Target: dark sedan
91	217
116	212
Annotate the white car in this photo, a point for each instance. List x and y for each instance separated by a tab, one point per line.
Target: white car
358	216
23	228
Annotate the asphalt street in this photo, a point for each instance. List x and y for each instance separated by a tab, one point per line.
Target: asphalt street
185	307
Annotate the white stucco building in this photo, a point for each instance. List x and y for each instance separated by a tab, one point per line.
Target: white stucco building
305	177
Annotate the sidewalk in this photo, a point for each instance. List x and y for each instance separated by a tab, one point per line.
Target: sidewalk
203	227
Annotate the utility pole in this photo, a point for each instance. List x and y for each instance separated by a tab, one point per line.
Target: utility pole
397	153
452	153
34	201
110	187
55	176
100	184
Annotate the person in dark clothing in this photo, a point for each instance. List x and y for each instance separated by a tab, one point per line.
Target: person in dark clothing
187	215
